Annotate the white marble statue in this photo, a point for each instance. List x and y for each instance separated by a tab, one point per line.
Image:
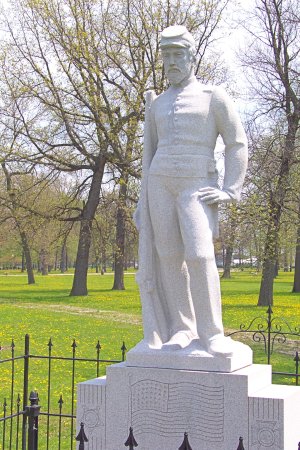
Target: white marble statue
178	207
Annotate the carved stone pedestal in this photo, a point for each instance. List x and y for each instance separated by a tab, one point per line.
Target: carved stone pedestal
214	408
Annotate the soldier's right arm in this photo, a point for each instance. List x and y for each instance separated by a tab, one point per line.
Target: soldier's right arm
150	146
150	132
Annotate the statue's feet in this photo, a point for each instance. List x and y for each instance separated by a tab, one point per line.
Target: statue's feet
222	346
178	341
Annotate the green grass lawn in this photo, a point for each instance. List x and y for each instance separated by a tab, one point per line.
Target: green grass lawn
46	310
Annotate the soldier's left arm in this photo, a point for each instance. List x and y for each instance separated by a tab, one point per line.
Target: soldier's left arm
230	127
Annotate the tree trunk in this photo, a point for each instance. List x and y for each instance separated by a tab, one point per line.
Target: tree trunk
85	235
270	257
27	255
266	286
82	259
240	257
257	253
24	241
103	259
296	286
227	262
120	240
276	268
23	262
285	255
97	264
44	261
276	207
230	242
63	257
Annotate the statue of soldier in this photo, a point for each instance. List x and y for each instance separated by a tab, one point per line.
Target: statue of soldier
178	207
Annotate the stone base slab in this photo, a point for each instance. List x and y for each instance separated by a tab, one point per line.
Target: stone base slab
189	358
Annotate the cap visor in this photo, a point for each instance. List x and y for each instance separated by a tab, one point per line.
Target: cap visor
172	44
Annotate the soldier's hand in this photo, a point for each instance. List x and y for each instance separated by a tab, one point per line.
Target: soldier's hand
211	195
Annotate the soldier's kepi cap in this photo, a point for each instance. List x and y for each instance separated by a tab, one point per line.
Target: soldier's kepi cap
178	36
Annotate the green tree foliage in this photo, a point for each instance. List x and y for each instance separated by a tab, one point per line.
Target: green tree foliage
75	73
273	57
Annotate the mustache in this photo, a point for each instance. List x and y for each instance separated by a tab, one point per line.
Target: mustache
173	69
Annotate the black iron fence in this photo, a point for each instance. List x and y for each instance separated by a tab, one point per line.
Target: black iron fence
270	330
19	420
22	417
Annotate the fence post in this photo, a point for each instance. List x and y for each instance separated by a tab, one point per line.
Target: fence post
98	348
18	421
269	312
60	402
25	389
12	390
32	412
297	359
4	423
50	345
81	437
74	346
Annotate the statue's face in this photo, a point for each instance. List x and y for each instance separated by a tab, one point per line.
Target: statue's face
178	63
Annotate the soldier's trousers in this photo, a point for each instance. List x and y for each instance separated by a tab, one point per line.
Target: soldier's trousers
183	235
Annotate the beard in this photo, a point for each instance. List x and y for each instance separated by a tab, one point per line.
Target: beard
175	75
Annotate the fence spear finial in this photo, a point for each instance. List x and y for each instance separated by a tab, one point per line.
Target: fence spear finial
81	437
185	444
123	349
131	442
241	445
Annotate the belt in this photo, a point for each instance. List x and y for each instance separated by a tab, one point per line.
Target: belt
196	166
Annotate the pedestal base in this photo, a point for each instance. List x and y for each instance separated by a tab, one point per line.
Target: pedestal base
189	358
215	408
